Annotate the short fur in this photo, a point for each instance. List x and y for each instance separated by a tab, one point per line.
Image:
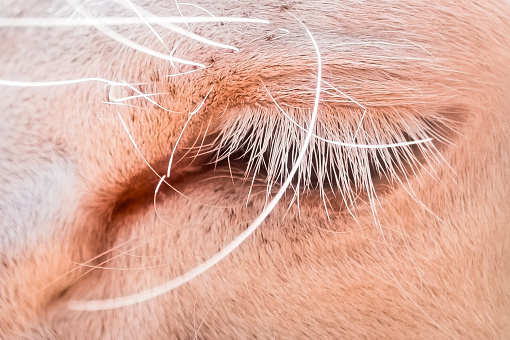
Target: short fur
428	258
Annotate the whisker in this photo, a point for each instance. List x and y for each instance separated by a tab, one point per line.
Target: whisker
94	305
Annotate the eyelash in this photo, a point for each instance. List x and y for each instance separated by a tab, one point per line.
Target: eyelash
268	142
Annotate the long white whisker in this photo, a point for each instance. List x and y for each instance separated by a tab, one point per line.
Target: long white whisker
191	114
180	12
94	305
4	82
140	15
196	6
118	21
129	43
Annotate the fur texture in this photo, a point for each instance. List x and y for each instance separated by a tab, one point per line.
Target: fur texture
407	242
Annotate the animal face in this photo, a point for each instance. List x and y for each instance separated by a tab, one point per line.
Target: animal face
254	170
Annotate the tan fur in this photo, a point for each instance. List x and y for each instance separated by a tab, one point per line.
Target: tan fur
73	185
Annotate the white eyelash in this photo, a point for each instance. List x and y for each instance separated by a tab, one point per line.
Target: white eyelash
269	141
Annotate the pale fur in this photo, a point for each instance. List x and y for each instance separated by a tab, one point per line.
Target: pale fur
428	258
